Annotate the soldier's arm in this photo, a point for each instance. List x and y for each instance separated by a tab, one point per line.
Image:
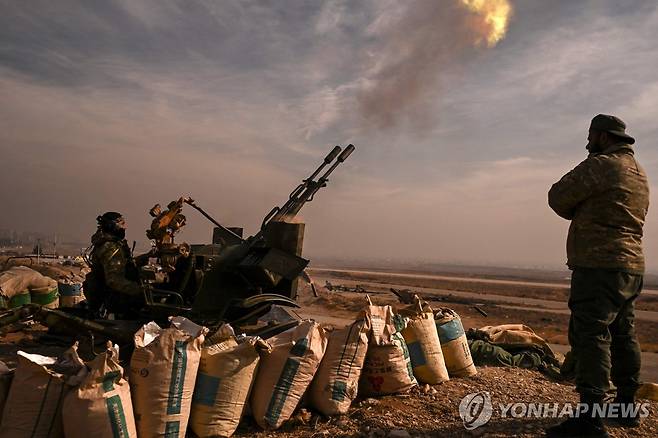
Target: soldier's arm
572	189
114	266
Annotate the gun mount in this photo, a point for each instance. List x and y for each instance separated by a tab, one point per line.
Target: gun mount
232	279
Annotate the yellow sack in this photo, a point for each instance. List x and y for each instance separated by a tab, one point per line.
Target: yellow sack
162	375
336	383
47	296
226	373
454	344
286	372
387	367
101	406
423	343
22	285
34	405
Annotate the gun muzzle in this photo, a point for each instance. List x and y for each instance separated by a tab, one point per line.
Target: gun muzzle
346	153
334	152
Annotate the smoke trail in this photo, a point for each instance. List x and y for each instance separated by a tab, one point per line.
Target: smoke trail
412	42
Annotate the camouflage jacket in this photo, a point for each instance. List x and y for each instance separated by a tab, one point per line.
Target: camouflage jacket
606	197
113	264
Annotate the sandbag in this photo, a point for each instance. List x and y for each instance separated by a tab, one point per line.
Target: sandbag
17	283
336	382
516	335
34	405
18	300
6	377
47	296
387	367
286	372
423	343
226	373
163	371
70	294
18	279
454	344
101	406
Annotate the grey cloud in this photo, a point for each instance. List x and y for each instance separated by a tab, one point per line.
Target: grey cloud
121	104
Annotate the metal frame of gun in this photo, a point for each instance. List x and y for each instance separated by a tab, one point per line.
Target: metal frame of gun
302	194
308	188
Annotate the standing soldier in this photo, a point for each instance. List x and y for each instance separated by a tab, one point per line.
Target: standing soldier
113	283
606	198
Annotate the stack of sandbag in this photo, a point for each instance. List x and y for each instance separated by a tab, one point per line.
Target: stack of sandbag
21	285
162	376
336	383
454	344
423	343
34	405
6	376
286	372
387	367
226	373
53	269
14	286
101	405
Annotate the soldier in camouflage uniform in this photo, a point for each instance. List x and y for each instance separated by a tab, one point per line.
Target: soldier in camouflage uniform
606	198
113	283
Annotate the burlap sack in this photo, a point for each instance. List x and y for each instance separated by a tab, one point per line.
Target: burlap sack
101	405
387	368
423	343
286	372
226	373
70	294
515	335
47	296
6	376
162	375
34	405
18	282
21	278
336	383
454	344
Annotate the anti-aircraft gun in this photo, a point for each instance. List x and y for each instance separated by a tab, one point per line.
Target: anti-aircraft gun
233	279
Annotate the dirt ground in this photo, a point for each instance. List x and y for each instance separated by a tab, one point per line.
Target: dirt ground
432	411
519	289
550	326
426	411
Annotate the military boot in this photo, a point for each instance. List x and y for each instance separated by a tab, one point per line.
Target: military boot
627	404
585	425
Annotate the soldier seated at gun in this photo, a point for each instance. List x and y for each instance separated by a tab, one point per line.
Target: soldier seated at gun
113	284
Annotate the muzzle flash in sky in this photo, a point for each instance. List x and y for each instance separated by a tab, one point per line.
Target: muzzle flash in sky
495	15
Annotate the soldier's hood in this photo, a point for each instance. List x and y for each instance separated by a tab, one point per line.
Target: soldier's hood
101	237
617	148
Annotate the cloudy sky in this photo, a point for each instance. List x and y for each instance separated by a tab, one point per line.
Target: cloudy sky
119	104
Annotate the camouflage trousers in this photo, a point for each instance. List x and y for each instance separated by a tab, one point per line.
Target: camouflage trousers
602	330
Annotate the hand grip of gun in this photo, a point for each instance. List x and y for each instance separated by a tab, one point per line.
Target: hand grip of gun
308	188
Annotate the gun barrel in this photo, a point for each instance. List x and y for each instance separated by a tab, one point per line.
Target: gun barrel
342	157
334	152
304	192
346	153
